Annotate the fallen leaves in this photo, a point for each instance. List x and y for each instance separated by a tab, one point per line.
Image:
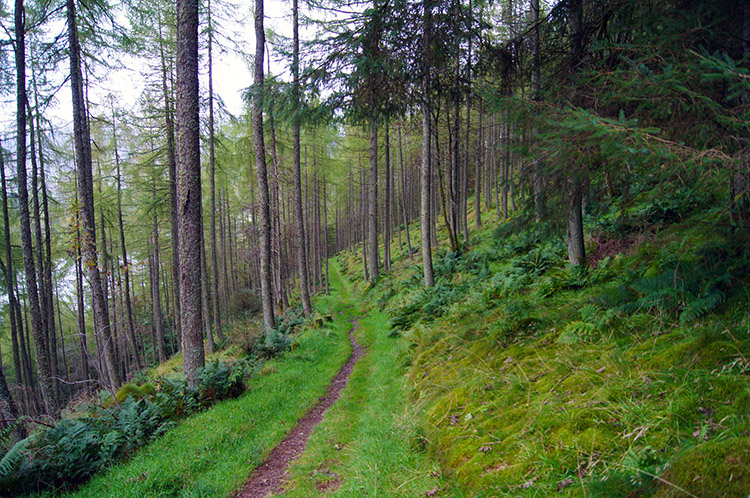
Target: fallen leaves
564	483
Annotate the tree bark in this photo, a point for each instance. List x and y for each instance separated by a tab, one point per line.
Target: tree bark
189	189
260	164
425	176
40	339
9	275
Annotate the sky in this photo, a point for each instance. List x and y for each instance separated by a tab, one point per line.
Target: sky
231	72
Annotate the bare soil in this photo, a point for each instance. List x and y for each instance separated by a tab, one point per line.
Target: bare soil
269	477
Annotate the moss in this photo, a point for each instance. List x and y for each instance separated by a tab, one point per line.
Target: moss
131	390
714	354
716	469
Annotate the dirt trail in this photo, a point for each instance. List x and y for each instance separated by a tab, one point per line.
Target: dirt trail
269	476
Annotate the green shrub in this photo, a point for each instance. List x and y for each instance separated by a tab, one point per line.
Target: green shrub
244	302
71	452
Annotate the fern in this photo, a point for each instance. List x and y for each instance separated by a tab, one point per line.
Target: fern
10	462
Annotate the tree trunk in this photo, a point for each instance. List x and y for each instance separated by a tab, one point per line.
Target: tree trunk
156	297
80	315
275	215
325	237
40	340
212	175
425	176
210	344
479	170
9	275
302	266
45	302
260	163
388	201
86	194
372	204
189	189
576	248
403	193
535	81
125	263
172	170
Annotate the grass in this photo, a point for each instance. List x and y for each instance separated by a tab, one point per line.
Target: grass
211	454
369	442
514	376
533	379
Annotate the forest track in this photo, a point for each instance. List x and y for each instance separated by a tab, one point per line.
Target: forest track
270	476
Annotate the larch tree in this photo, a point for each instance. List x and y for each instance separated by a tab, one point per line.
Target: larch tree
299	221
40	338
425	168
189	188
212	177
576	247
260	165
82	143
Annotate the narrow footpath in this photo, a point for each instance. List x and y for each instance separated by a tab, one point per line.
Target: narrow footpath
269	477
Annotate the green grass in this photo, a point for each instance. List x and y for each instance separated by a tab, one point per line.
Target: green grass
532	380
211	454
369	443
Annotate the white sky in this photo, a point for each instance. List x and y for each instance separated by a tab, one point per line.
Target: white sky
231	73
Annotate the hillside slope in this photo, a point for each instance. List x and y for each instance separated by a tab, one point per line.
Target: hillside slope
627	378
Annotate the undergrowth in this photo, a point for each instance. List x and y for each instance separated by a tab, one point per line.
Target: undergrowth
625	378
98	433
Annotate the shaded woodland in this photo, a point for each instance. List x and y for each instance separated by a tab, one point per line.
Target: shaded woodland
168	226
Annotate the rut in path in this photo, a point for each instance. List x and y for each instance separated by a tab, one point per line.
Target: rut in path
269	476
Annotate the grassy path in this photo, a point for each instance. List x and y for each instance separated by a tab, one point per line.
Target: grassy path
213	453
369	444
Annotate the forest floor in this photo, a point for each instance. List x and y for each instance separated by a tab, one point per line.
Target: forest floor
514	376
270	476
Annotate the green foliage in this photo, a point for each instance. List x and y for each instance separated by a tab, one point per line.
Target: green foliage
221	380
244	302
77	448
690	286
11	461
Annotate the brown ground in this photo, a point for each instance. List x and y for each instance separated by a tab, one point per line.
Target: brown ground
612	247
269	477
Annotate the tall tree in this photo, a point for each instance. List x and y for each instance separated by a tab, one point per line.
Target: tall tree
189	188
40	339
4	391
9	274
302	265
82	143
425	218
125	263
212	177
576	248
260	165
535	87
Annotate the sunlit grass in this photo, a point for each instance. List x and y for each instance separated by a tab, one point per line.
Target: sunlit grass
369	444
211	454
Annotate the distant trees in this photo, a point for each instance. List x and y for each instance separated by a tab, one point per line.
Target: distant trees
393	113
